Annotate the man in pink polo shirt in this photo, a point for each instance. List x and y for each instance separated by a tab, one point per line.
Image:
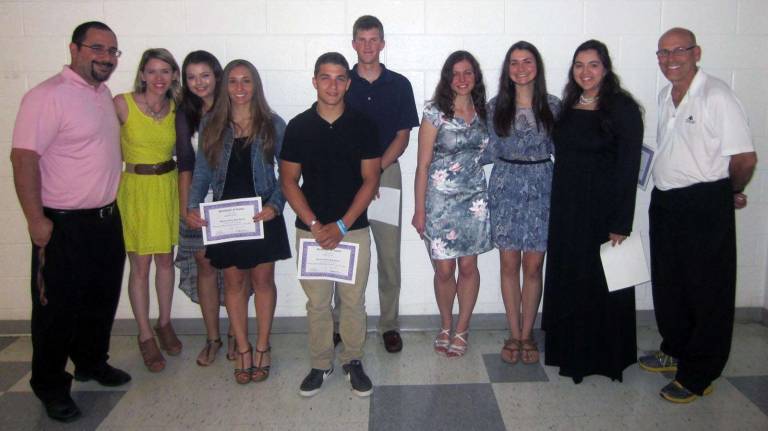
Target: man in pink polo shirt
66	167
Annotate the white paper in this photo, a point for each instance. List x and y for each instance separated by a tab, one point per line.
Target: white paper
317	263
624	265
386	208
231	220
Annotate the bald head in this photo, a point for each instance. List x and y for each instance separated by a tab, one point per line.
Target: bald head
680	32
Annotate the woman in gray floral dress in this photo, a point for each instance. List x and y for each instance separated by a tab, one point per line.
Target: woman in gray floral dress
451	211
521	118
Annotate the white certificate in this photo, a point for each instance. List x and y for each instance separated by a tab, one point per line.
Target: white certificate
231	220
624	265
317	263
386	208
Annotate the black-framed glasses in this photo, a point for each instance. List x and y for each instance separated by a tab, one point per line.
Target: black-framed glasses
101	50
677	52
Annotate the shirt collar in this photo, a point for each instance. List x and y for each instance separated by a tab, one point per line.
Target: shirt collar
386	75
72	77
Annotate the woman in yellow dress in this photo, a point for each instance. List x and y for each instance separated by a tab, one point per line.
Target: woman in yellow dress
148	196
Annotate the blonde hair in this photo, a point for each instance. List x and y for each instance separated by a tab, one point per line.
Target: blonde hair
162	54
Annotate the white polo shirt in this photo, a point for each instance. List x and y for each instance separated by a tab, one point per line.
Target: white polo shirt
696	139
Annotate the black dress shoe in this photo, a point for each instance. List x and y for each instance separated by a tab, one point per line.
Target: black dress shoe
336	339
105	374
392	341
62	409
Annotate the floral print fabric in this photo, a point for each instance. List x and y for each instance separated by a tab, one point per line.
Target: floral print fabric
457	218
520	194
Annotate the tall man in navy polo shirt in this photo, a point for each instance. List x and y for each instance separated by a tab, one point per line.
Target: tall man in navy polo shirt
386	97
333	148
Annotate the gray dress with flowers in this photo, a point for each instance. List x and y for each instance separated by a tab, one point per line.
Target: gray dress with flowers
457	219
520	193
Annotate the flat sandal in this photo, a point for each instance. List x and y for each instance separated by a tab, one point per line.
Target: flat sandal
208	354
440	345
458	350
529	345
243	374
513	346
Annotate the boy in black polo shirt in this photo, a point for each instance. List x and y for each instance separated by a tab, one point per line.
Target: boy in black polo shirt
334	149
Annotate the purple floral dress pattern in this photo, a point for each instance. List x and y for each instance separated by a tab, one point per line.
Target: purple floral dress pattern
457	218
520	194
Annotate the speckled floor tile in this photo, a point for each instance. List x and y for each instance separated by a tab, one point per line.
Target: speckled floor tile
755	388
23	411
438	407
12	373
7	341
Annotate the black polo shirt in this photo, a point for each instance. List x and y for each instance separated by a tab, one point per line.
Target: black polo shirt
330	156
388	101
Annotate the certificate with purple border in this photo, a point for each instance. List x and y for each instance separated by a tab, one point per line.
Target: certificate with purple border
317	263
231	220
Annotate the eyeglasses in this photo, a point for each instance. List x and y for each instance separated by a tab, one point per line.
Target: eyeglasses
101	50
677	52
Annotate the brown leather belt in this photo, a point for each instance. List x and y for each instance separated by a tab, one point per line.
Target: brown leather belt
156	169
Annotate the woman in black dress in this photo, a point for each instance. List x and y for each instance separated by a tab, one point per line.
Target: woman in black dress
239	143
598	140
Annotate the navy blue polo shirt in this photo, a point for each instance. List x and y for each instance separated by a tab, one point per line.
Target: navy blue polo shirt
388	101
330	156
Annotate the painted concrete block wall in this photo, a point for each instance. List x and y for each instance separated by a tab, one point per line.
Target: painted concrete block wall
284	37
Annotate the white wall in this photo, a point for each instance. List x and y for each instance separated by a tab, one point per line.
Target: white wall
284	37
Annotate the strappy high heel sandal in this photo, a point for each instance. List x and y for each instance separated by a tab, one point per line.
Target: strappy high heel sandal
208	354
510	353
243	374
458	350
441	344
259	373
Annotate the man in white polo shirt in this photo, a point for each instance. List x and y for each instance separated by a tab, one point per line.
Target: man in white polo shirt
705	158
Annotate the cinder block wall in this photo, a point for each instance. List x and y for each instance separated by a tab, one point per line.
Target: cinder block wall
284	37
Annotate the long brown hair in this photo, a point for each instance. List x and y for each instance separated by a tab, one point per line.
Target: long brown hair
444	95
221	117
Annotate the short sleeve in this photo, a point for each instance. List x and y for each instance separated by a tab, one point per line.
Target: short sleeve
409	118
37	123
185	154
291	151
731	124
555	106
432	114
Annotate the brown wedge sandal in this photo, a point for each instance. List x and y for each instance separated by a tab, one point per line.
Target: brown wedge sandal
243	374
530	351
260	372
153	359
510	353
168	340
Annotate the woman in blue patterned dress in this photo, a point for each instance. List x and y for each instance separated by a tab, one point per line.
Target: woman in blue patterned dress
451	199
521	117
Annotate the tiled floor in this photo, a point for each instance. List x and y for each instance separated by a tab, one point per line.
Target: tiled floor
414	390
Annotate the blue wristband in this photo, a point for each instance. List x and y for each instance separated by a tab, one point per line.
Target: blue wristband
342	227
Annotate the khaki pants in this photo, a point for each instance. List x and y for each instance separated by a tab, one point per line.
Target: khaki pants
352	317
387	239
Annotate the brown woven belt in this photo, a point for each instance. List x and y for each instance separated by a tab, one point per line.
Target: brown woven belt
156	169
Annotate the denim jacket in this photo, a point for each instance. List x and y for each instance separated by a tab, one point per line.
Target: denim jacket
264	181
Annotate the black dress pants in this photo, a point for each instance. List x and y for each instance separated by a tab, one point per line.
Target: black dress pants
76	282
693	267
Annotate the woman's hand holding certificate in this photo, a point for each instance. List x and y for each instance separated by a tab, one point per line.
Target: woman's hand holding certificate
233	220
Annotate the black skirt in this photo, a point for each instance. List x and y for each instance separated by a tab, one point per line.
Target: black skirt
247	254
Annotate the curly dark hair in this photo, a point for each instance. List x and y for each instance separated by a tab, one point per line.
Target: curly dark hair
444	95
506	106
191	105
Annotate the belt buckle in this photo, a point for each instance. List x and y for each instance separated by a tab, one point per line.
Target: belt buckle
105	212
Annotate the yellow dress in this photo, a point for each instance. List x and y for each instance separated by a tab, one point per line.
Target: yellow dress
149	204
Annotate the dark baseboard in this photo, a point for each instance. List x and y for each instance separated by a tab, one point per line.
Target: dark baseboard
292	325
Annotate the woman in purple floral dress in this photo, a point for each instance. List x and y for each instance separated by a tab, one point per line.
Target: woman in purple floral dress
451	211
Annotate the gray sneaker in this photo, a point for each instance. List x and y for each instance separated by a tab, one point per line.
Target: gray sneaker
657	362
677	393
361	384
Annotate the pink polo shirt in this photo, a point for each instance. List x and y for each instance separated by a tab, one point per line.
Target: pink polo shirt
74	128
